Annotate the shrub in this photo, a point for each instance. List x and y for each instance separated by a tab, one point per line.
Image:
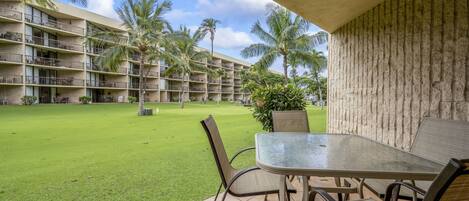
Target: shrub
84	99
28	100
276	98
132	99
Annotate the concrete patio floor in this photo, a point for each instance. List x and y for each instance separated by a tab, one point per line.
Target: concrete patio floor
314	181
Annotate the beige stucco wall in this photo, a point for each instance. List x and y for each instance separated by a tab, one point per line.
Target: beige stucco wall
399	62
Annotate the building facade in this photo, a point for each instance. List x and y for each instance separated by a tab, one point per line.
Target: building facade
393	63
44	53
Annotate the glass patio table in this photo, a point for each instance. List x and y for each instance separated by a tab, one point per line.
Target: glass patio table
337	155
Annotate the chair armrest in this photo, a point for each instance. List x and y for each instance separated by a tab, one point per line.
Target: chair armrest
240	152
325	196
389	191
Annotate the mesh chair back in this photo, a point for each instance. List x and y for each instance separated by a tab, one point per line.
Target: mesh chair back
440	140
221	158
452	184
290	121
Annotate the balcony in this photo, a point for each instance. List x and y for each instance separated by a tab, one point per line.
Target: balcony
35	40
11	79
36	80
11	14
10	58
106	84
54	24
95	67
226	82
197	89
174	77
146	73
11	36
214	90
95	50
213	81
197	79
135	85
53	62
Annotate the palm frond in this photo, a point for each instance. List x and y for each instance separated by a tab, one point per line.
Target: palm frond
256	50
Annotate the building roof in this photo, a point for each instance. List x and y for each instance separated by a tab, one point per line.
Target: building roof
331	14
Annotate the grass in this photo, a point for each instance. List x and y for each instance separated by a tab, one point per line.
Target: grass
106	152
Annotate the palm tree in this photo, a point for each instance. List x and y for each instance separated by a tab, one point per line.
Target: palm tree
51	3
183	56
315	63
287	38
146	29
210	25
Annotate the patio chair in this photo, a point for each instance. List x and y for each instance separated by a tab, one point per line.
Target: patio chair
437	140
240	183
290	121
452	184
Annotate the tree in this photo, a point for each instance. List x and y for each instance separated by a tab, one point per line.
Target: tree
210	25
183	56
315	63
146	30
286	38
255	78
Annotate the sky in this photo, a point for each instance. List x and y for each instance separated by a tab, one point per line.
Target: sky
233	33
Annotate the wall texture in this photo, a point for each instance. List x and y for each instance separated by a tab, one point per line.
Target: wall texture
397	63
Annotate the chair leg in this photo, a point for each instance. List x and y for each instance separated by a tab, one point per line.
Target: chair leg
218	192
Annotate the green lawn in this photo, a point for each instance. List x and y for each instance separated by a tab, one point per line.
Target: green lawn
106	152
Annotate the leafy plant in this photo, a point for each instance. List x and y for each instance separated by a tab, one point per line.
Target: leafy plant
28	100
84	99
132	99
276	98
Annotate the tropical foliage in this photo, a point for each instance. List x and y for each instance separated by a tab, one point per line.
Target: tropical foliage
256	78
315	63
183	56
147	30
287	38
276	98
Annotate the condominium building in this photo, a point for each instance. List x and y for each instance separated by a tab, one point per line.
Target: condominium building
44	53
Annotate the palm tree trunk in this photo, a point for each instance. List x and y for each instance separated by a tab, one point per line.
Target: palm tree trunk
285	68
141	95
320	93
182	91
212	38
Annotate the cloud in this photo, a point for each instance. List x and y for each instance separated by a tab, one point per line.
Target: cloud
178	14
227	38
230	8
103	7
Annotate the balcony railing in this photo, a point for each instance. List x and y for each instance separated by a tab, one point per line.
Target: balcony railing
135	85
226	66
12	14
238	83
95	67
54	81
214	81
54	62
95	50
226	82
174	77
13	36
107	84
11	79
227	91
9	57
197	89
214	90
53	43
53	24
145	73
197	79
